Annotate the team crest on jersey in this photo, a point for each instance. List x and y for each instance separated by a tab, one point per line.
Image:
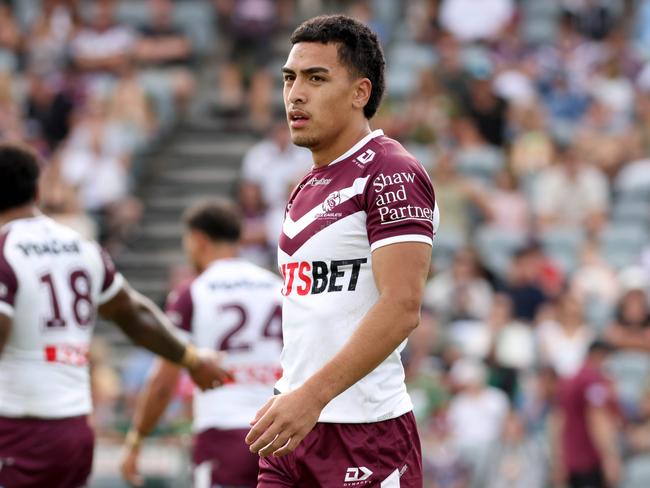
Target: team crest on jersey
332	200
365	157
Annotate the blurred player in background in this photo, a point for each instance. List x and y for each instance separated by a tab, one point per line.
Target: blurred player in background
355	253
233	306
52	285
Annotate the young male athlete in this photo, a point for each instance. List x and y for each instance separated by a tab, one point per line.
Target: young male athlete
52	285
355	252
233	306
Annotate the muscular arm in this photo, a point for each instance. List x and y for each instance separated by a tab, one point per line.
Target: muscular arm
400	271
144	323
156	395
5	329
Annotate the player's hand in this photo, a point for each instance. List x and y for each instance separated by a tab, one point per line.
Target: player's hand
208	373
129	466
283	422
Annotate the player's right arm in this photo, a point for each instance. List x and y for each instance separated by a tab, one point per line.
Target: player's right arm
150	406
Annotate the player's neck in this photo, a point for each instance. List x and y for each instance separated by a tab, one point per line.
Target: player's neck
218	253
349	137
23	212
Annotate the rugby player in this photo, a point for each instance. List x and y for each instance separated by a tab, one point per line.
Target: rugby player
355	253
53	283
233	306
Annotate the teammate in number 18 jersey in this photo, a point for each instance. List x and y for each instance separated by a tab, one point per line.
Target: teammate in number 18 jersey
53	283
233	306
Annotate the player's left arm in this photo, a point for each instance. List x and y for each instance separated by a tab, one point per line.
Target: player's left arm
400	271
150	406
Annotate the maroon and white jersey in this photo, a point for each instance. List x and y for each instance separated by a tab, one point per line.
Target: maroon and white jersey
233	306
374	195
51	282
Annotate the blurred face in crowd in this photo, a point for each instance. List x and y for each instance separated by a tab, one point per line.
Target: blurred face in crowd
161	11
635	307
322	97
104	14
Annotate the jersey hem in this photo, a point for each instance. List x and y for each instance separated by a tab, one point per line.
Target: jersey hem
403	238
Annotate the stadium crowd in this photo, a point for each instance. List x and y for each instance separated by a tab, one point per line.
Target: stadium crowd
533	119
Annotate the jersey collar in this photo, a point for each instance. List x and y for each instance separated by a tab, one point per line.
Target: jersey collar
357	146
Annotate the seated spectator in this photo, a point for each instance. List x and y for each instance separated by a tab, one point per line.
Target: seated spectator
130	110
477	412
525	284
10	39
504	207
95	162
254	244
11	123
165	51
274	164
486	109
563	342
571	193
48	40
49	109
531	147
460	293
474	20
442	463
515	459
102	46
631	327
250	25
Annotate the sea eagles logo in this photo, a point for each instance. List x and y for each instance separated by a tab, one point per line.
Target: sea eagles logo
332	200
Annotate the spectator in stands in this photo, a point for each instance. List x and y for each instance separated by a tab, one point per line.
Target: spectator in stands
165	51
631	327
477	412
49	110
250	25
571	193
504	207
11	123
474	20
254	242
460	293
274	165
515	460
95	161
524	284
102	46
563	342
442	463
49	37
10	39
587	423
485	107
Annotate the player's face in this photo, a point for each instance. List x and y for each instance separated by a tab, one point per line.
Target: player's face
318	94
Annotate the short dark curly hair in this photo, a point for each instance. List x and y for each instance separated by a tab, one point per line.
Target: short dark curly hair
218	218
358	49
19	172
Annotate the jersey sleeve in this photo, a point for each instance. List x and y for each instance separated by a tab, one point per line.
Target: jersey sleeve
400	204
112	281
8	282
179	308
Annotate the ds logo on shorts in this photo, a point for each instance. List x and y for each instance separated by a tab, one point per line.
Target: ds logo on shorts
354	475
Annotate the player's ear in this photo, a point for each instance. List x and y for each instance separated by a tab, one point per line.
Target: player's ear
361	94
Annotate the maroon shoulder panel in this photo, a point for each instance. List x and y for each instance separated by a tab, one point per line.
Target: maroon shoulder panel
399	197
179	307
